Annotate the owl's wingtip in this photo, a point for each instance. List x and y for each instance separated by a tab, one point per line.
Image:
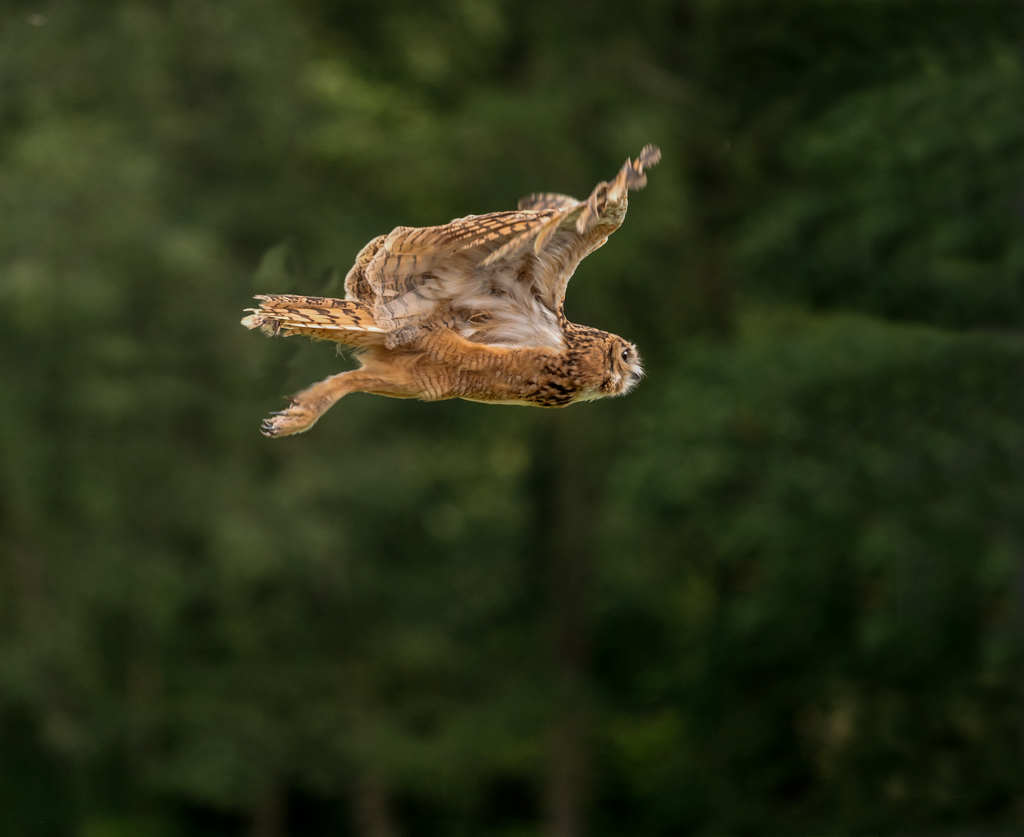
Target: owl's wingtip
633	174
649	156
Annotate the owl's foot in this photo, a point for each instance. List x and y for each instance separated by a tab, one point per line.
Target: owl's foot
298	418
307	406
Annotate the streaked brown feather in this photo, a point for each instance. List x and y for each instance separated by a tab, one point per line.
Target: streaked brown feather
318	317
547	200
356	284
498	265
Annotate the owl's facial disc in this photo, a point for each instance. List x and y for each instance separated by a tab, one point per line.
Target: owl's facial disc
625	369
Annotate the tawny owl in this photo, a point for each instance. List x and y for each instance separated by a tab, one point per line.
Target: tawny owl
471	309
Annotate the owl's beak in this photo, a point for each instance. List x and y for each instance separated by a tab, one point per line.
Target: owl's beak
632	379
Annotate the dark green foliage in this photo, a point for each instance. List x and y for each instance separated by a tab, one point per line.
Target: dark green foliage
904	200
829	511
774	590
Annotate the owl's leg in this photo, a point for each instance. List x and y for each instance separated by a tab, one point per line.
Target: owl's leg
451	347
307	406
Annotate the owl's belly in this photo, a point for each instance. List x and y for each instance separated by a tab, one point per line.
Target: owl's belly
512	402
528	392
516	386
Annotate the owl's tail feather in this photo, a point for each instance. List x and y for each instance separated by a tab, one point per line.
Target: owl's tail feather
322	318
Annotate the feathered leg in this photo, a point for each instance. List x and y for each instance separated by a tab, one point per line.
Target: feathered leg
307	406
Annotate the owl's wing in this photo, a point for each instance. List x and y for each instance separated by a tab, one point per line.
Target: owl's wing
497	278
357	286
430	277
547	200
577	228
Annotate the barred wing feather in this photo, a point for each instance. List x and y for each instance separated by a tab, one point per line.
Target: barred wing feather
498	278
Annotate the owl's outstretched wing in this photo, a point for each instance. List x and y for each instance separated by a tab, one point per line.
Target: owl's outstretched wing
547	200
497	278
578	228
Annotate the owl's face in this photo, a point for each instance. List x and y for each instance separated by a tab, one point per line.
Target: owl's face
624	370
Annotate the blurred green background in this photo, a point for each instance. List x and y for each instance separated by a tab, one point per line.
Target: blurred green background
779	589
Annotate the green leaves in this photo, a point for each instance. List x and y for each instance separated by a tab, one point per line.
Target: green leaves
773	588
903	200
831	485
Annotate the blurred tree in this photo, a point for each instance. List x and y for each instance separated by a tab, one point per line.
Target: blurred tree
826	514
673	612
903	199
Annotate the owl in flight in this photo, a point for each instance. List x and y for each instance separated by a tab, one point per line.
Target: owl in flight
471	309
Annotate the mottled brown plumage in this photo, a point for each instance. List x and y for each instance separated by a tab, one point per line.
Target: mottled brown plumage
471	309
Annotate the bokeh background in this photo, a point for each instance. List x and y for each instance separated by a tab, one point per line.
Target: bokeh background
779	589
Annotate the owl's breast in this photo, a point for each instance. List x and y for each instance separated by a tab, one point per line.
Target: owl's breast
539	377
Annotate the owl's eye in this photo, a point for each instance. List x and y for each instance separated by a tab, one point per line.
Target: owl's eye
625	354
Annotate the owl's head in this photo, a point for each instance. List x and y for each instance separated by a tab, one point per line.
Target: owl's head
623	369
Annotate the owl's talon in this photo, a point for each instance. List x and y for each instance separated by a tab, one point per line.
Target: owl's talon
296	419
